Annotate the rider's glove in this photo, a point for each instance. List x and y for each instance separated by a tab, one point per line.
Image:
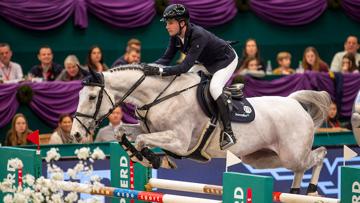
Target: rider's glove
152	70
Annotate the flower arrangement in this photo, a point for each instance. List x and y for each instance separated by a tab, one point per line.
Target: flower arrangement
50	190
24	94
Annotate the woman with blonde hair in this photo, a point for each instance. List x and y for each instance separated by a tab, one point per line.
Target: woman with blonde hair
312	61
18	132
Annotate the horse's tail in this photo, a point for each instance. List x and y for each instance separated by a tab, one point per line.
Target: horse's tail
315	103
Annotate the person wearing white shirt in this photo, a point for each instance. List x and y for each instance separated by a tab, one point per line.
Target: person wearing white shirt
9	71
350	46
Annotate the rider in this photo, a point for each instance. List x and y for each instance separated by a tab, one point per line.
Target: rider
219	58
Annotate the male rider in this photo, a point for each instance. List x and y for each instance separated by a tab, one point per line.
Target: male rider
198	44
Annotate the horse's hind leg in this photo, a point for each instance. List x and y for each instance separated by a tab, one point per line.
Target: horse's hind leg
295	187
317	157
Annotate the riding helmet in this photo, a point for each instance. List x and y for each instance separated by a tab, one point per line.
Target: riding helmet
177	12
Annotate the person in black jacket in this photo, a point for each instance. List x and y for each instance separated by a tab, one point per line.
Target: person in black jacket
198	44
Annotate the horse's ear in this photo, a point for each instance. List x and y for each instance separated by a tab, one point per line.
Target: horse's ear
93	74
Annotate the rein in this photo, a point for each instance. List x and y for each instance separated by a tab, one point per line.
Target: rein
158	100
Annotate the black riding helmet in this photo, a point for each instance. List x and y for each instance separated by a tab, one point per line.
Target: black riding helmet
177	12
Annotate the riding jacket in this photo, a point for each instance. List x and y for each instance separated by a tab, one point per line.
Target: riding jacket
199	45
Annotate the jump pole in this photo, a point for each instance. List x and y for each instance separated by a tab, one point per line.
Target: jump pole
126	193
218	190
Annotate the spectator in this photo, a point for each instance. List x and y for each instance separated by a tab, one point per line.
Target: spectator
19	131
284	61
95	59
251	49
312	61
350	46
47	69
132	44
107	133
72	70
61	134
252	67
348	64
9	70
332	123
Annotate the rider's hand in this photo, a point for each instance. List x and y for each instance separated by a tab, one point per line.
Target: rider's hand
151	70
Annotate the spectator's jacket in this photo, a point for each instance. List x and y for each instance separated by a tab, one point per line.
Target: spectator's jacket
199	46
51	75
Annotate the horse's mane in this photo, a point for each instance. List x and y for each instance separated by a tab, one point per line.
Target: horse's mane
127	67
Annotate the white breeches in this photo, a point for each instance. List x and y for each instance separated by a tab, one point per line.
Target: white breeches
221	77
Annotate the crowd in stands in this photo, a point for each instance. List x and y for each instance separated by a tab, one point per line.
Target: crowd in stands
250	63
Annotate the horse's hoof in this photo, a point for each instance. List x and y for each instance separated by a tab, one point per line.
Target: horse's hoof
154	159
168	163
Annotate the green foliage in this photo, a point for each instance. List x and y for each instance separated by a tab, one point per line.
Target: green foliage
160	6
243	5
334	4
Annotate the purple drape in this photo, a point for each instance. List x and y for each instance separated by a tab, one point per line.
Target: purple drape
295	12
123	14
310	81
209	12
8	103
352	8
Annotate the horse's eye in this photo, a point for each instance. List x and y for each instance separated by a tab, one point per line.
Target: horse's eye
92	97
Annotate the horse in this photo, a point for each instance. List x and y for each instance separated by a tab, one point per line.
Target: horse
281	135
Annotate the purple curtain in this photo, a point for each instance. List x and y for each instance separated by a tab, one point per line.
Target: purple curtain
8	103
352	8
37	14
123	14
351	87
295	12
209	12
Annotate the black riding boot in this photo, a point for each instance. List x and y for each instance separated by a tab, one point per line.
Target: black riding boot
227	137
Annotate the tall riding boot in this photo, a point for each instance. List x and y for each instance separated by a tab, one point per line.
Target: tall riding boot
227	137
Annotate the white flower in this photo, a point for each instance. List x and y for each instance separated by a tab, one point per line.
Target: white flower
29	179
8	198
97	186
38	197
72	173
28	192
71	197
14	164
95	178
57	176
98	154
52	154
19	197
79	167
83	153
56	198
8	184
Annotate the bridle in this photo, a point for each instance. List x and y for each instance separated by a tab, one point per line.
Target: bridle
100	83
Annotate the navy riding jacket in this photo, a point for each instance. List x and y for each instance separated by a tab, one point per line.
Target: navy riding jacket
199	45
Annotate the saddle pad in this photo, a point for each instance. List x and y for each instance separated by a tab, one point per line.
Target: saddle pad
242	111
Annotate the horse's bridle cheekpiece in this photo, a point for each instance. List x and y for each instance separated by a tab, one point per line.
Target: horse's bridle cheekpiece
97	80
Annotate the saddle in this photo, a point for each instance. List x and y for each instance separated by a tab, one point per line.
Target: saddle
240	108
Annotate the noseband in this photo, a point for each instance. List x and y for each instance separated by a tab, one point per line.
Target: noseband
101	84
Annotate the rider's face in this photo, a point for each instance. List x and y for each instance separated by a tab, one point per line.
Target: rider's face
172	27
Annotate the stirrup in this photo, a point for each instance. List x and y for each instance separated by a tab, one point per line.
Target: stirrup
226	140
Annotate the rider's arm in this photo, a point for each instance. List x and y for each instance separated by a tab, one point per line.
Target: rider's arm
198	43
169	53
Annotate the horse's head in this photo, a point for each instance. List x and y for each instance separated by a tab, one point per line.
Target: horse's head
355	119
95	104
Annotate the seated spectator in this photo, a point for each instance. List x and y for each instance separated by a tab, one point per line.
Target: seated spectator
251	49
349	64
95	60
132	44
9	70
107	133
350	46
19	131
284	61
312	61
61	135
72	70
252	67
332	123
47	69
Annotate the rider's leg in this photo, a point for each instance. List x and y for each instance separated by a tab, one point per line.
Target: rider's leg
217	84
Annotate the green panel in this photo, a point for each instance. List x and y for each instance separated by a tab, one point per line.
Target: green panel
120	171
239	187
334	139
31	163
350	184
